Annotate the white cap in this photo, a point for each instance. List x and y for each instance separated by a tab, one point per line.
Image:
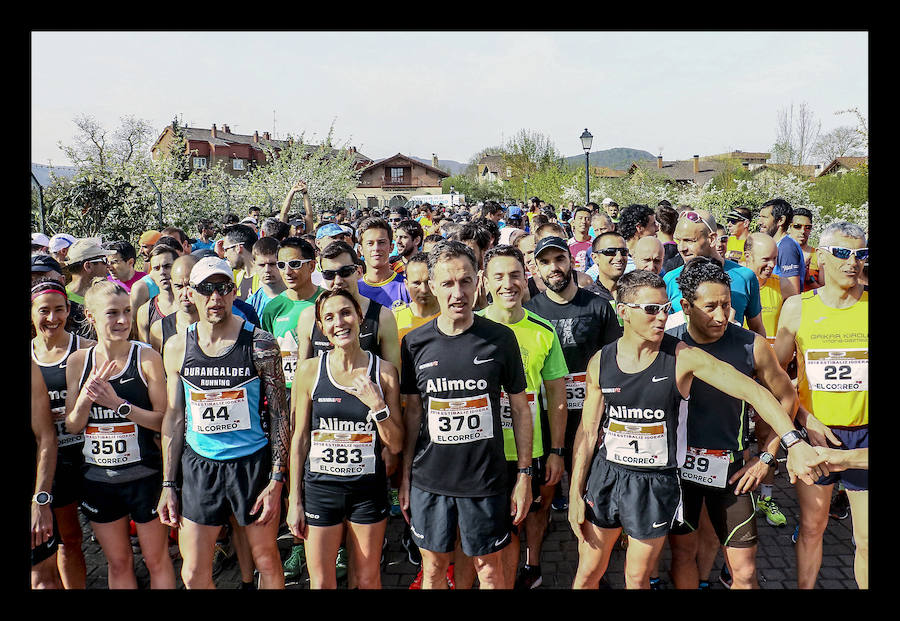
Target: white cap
249	220
40	239
60	241
210	266
607	201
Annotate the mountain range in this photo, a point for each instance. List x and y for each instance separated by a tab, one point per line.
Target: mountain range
619	158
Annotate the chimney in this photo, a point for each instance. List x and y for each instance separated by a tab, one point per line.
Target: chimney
255	136
659	161
266	136
226	129
213	132
696	164
434	160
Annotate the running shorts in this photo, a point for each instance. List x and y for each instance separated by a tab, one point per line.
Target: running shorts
483	522
851	438
328	504
108	502
41	553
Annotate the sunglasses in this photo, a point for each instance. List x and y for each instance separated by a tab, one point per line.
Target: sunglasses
206	289
805	227
651	309
227	248
344	272
611	252
294	264
860	254
395	220
693	216
97	260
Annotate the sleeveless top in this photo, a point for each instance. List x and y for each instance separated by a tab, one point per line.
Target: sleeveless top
169	328
222	398
344	445
645	416
54	374
368	333
155	313
116	449
833	360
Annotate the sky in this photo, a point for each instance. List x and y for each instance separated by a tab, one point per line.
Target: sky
452	94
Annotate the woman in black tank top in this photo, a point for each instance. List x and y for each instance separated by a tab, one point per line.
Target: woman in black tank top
368	333
116	396
348	407
51	348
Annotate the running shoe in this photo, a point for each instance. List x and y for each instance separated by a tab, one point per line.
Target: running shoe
559	501
450	582
295	562
223	557
529	577
132	528
840	506
657	584
604	585
704	586
725	576
767	507
412	550
417	582
395	503
246	586
796	534
340	564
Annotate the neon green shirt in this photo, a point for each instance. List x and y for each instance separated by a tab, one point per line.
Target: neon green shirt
280	317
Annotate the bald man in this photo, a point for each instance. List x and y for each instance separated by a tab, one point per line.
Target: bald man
185	313
761	256
648	254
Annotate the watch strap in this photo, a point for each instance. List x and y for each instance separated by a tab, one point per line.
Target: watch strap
558	451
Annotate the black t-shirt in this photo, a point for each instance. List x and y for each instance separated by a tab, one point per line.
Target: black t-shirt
583	325
459	450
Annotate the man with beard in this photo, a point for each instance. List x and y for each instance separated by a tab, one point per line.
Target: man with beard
408	236
775	218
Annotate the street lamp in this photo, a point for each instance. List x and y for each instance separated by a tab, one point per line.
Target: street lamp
586	140
526	189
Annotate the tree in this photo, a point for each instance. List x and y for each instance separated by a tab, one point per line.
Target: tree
844	141
529	151
795	135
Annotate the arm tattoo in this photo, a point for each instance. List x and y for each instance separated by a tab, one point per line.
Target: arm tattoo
267	357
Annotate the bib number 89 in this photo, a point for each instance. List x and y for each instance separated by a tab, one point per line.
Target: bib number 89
108	447
342	456
472	421
701	463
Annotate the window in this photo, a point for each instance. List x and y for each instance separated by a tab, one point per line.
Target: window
199	162
237	164
396	175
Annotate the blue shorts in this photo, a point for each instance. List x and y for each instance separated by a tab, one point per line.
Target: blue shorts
484	522
851	438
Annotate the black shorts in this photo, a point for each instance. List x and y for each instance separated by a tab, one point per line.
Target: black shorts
108	502
328	504
483	522
732	517
47	549
212	490
644	504
66	482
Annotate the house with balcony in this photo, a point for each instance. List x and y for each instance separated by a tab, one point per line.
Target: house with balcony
394	180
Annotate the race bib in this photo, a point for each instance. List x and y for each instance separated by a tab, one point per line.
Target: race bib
342	453
576	389
457	421
637	444
506	411
706	466
289	364
832	370
219	411
111	444
63	437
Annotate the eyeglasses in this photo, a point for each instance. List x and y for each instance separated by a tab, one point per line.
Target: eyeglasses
860	254
294	264
344	272
611	252
395	220
227	248
805	227
693	216
651	309
206	289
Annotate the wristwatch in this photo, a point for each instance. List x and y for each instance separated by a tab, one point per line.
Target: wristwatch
42	498
124	410
559	451
791	438
380	415
276	476
767	458
528	471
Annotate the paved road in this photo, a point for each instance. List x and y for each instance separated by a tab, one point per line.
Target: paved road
776	558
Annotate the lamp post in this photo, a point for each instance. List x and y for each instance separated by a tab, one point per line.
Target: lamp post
586	140
526	189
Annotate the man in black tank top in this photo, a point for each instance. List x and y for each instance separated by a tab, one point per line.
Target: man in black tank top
635	388
186	312
715	470
162	258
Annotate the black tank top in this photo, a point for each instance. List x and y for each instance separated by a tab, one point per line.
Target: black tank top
155	313
169	328
644	414
368	333
118	450
345	447
533	289
717	420
54	374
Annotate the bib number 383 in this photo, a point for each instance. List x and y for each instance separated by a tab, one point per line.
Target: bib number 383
342	453
220	411
458	421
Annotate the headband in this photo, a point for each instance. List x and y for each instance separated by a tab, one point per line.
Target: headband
43	287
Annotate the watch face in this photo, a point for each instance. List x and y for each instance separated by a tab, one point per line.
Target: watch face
42	498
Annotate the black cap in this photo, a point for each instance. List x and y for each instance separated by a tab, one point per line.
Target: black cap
45	263
550	242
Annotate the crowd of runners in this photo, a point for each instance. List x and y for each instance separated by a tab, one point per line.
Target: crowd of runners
315	373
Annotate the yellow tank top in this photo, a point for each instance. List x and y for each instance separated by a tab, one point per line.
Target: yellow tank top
771	300
833	360
734	249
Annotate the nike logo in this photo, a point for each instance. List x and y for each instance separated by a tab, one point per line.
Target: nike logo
50	541
362	336
127	379
658	379
655	525
499	542
477	361
819	319
62	366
